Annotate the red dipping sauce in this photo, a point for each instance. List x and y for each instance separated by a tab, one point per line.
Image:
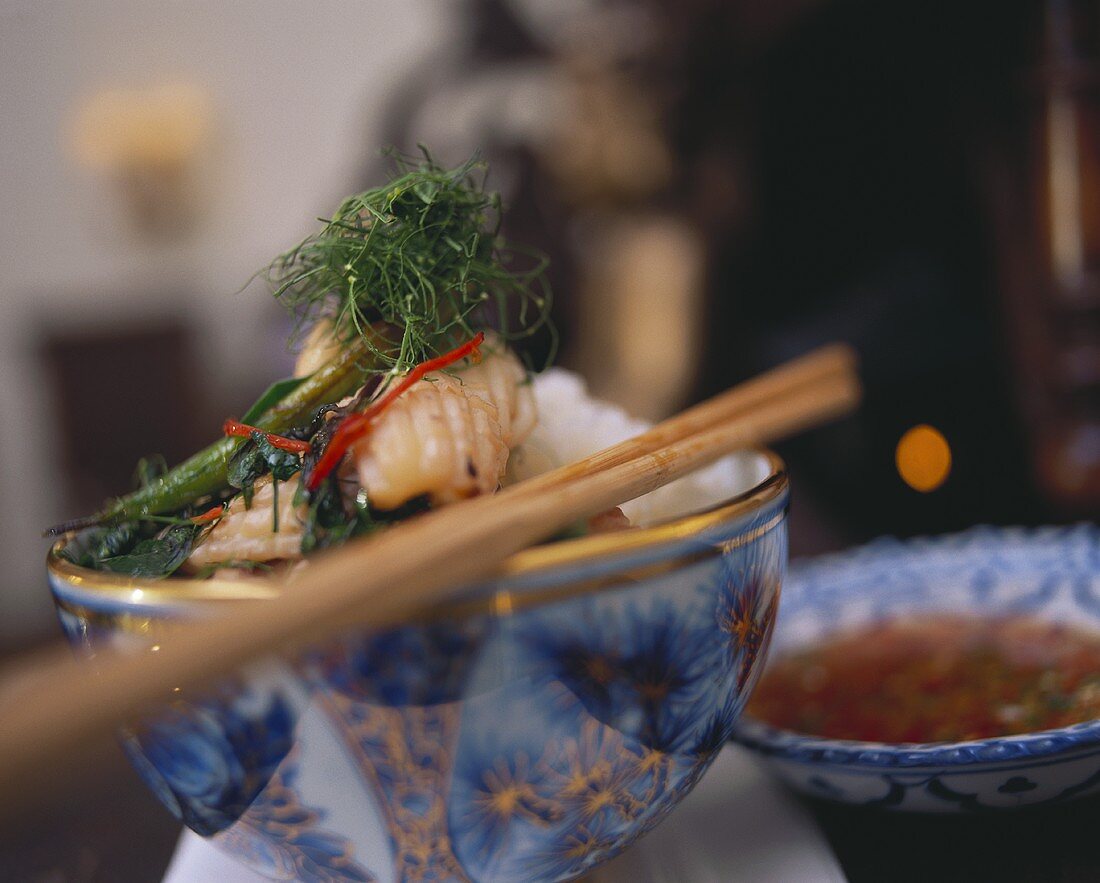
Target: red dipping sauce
935	679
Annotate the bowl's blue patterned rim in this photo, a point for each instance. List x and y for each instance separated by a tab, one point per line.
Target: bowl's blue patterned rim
1040	744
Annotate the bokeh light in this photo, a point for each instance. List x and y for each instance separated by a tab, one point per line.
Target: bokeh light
923	458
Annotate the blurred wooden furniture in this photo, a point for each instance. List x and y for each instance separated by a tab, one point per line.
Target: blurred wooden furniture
120	393
1051	258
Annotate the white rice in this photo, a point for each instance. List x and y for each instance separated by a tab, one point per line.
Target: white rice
573	425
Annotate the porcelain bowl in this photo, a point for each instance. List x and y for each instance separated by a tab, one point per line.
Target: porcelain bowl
529	731
1049	573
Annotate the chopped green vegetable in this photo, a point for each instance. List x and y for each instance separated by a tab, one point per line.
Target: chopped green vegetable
274	394
331	520
158	556
91	547
402	272
206	472
257	457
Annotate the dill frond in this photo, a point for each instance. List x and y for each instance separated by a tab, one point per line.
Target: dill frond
422	254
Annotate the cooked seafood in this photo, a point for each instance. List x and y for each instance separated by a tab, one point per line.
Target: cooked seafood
254	533
401	400
448	437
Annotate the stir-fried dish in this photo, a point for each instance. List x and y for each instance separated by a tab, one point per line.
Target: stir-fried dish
936	679
406	395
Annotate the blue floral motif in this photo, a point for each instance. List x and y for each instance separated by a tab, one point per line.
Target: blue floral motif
282	837
208	760
623	701
718	727
513	789
558	813
746	613
411	665
527	745
644	668
404	754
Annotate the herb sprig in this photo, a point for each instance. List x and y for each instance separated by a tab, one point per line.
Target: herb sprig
404	272
422	254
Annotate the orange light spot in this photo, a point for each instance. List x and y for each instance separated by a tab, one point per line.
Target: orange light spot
923	458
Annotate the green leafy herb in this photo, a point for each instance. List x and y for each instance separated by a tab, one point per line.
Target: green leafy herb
255	458
403	271
205	473
158	556
421	254
91	547
331	520
274	394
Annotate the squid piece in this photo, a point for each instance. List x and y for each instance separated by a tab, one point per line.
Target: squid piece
248	534
448	437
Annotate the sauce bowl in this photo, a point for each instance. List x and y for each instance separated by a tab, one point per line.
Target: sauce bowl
1051	574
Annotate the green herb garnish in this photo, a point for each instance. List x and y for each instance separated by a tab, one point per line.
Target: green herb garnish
257	457
158	556
422	254
93	546
271	397
403	272
331	519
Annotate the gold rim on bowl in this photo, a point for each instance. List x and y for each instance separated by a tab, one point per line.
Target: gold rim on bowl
139	591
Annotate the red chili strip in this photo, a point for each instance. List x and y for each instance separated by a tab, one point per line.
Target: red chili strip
208	516
291	445
358	425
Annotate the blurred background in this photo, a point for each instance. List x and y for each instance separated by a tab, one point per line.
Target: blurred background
721	184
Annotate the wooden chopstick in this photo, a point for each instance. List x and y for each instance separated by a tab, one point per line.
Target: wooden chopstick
834	360
383	579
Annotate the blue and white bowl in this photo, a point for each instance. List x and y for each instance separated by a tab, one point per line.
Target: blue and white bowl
529	732
1050	573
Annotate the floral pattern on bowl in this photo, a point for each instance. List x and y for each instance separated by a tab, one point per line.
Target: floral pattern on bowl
1051	573
537	729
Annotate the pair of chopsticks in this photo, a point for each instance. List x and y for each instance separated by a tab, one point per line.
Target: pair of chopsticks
384	579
